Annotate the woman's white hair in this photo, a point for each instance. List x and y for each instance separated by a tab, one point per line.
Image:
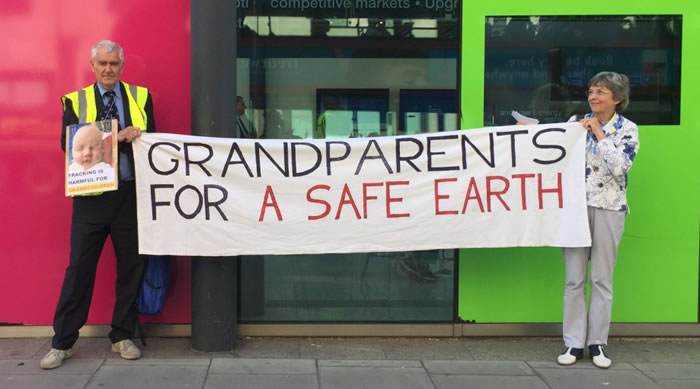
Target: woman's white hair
108	46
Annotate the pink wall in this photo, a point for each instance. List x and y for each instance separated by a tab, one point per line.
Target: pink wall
45	53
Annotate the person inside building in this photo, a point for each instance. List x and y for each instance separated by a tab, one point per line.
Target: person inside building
330	107
376	28
320	28
110	213
611	146
245	126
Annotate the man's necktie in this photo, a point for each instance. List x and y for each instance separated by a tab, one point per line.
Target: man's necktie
110	111
242	128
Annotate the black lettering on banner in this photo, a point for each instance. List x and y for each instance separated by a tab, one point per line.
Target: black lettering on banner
549	146
407	159
330	159
155	203
216	204
201	162
465	141
431	153
283	169
153	166
241	160
316	164
179	208
380	155
512	135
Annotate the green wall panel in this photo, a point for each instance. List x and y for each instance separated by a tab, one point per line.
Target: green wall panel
656	278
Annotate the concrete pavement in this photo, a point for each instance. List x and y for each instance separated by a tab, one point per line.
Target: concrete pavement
325	363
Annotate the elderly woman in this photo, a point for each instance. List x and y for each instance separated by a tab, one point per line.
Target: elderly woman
612	144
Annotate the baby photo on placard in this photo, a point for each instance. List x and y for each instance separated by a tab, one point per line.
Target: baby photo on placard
91	158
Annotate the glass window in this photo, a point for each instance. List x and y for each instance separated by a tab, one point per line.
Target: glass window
540	66
338	70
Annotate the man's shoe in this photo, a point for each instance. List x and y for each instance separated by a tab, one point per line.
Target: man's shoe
126	349
54	358
600	359
570	356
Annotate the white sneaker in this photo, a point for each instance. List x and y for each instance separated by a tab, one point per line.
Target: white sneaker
600	359
570	356
54	358
126	349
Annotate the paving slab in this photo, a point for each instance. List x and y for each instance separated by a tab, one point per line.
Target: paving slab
21	348
584	363
262	366
148	377
670	370
75	366
158	362
370	363
499	368
261	381
486	382
598	378
174	348
679	384
43	381
671	352
374	377
340	349
514	349
330	363
281	348
426	349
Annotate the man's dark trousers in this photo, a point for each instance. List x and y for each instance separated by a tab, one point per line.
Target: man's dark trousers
95	217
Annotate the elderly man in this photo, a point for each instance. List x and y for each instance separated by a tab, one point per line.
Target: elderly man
110	213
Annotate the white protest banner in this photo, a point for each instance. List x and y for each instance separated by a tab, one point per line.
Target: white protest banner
489	187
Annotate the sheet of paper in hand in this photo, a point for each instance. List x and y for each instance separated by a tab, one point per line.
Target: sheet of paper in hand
522	119
91	158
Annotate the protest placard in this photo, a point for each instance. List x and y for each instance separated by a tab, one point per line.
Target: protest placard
91	158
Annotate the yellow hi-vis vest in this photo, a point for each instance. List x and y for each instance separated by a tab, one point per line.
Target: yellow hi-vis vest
85	107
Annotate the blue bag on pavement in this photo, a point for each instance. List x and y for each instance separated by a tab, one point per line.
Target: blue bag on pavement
154	287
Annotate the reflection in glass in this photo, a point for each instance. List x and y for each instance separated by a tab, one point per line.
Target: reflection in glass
342	73
428	110
540	66
351	113
372	28
387	287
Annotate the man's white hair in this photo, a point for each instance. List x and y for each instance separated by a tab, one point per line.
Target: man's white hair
108	46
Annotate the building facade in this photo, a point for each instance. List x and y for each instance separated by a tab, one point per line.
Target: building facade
354	68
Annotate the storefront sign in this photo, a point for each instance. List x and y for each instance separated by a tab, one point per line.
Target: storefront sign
490	187
395	9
